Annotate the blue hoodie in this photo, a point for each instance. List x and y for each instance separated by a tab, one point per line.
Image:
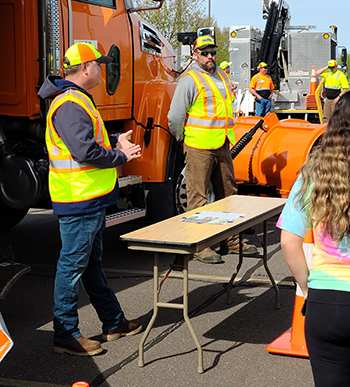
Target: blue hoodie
75	128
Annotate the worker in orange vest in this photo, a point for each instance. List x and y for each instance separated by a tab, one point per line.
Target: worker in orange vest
261	86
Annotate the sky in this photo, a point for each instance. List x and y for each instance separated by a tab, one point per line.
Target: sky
320	13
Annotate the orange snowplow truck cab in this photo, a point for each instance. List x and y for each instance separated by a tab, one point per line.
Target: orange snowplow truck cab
135	93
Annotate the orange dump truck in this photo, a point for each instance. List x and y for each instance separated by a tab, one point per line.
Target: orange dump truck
135	93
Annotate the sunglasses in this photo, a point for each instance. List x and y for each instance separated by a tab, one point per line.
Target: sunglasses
206	53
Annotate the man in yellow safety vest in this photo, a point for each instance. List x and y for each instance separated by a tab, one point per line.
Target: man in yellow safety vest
83	181
201	115
336	84
226	67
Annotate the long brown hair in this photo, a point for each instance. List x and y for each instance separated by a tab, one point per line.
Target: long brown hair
325	192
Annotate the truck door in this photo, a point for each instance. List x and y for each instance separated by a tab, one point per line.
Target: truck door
105	24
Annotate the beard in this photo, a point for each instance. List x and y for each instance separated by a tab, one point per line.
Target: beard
209	66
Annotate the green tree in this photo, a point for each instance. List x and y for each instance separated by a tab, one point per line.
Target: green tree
185	16
175	16
223	44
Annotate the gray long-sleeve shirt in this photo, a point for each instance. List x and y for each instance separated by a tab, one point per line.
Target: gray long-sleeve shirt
184	97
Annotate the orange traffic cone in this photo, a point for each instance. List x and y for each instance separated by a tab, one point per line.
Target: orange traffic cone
80	384
313	82
293	342
310	102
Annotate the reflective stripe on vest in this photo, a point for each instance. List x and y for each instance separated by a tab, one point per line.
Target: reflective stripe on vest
259	88
71	181
209	121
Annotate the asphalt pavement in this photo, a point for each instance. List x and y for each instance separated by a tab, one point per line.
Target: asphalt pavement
233	337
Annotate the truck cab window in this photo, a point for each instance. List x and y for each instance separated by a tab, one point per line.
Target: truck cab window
103	3
113	70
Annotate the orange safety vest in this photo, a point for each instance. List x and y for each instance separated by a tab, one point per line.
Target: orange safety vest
262	83
209	121
69	180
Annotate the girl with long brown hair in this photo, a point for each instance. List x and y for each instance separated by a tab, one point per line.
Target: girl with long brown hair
320	199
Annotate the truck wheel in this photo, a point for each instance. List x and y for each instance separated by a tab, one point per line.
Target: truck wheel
180	193
10	217
181	196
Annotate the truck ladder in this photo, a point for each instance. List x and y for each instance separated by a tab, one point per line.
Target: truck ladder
127	214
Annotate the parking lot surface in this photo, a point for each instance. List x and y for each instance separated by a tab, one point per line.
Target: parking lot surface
233	337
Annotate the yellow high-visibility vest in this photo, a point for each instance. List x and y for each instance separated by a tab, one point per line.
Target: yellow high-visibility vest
209	121
334	83
70	181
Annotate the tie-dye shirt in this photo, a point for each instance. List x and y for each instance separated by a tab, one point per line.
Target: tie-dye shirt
330	267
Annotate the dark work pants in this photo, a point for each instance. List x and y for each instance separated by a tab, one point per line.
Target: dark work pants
327	333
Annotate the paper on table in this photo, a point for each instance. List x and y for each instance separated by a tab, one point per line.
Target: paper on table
210	217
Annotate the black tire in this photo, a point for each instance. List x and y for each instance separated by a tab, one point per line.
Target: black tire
10	217
180	193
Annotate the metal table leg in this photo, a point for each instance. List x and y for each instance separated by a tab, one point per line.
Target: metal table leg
264	258
277	292
183	306
229	285
155	309
185	314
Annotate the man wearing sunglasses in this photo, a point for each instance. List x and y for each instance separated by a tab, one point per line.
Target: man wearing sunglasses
261	86
336	84
201	115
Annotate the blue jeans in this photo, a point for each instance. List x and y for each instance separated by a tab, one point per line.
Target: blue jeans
263	107
81	260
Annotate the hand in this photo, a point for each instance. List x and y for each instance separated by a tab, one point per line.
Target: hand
123	142
132	151
336	100
233	86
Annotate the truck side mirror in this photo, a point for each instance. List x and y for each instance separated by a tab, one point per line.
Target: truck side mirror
344	57
207	31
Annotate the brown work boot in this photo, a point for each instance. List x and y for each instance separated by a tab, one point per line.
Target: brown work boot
208	256
247	249
129	328
80	346
231	245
